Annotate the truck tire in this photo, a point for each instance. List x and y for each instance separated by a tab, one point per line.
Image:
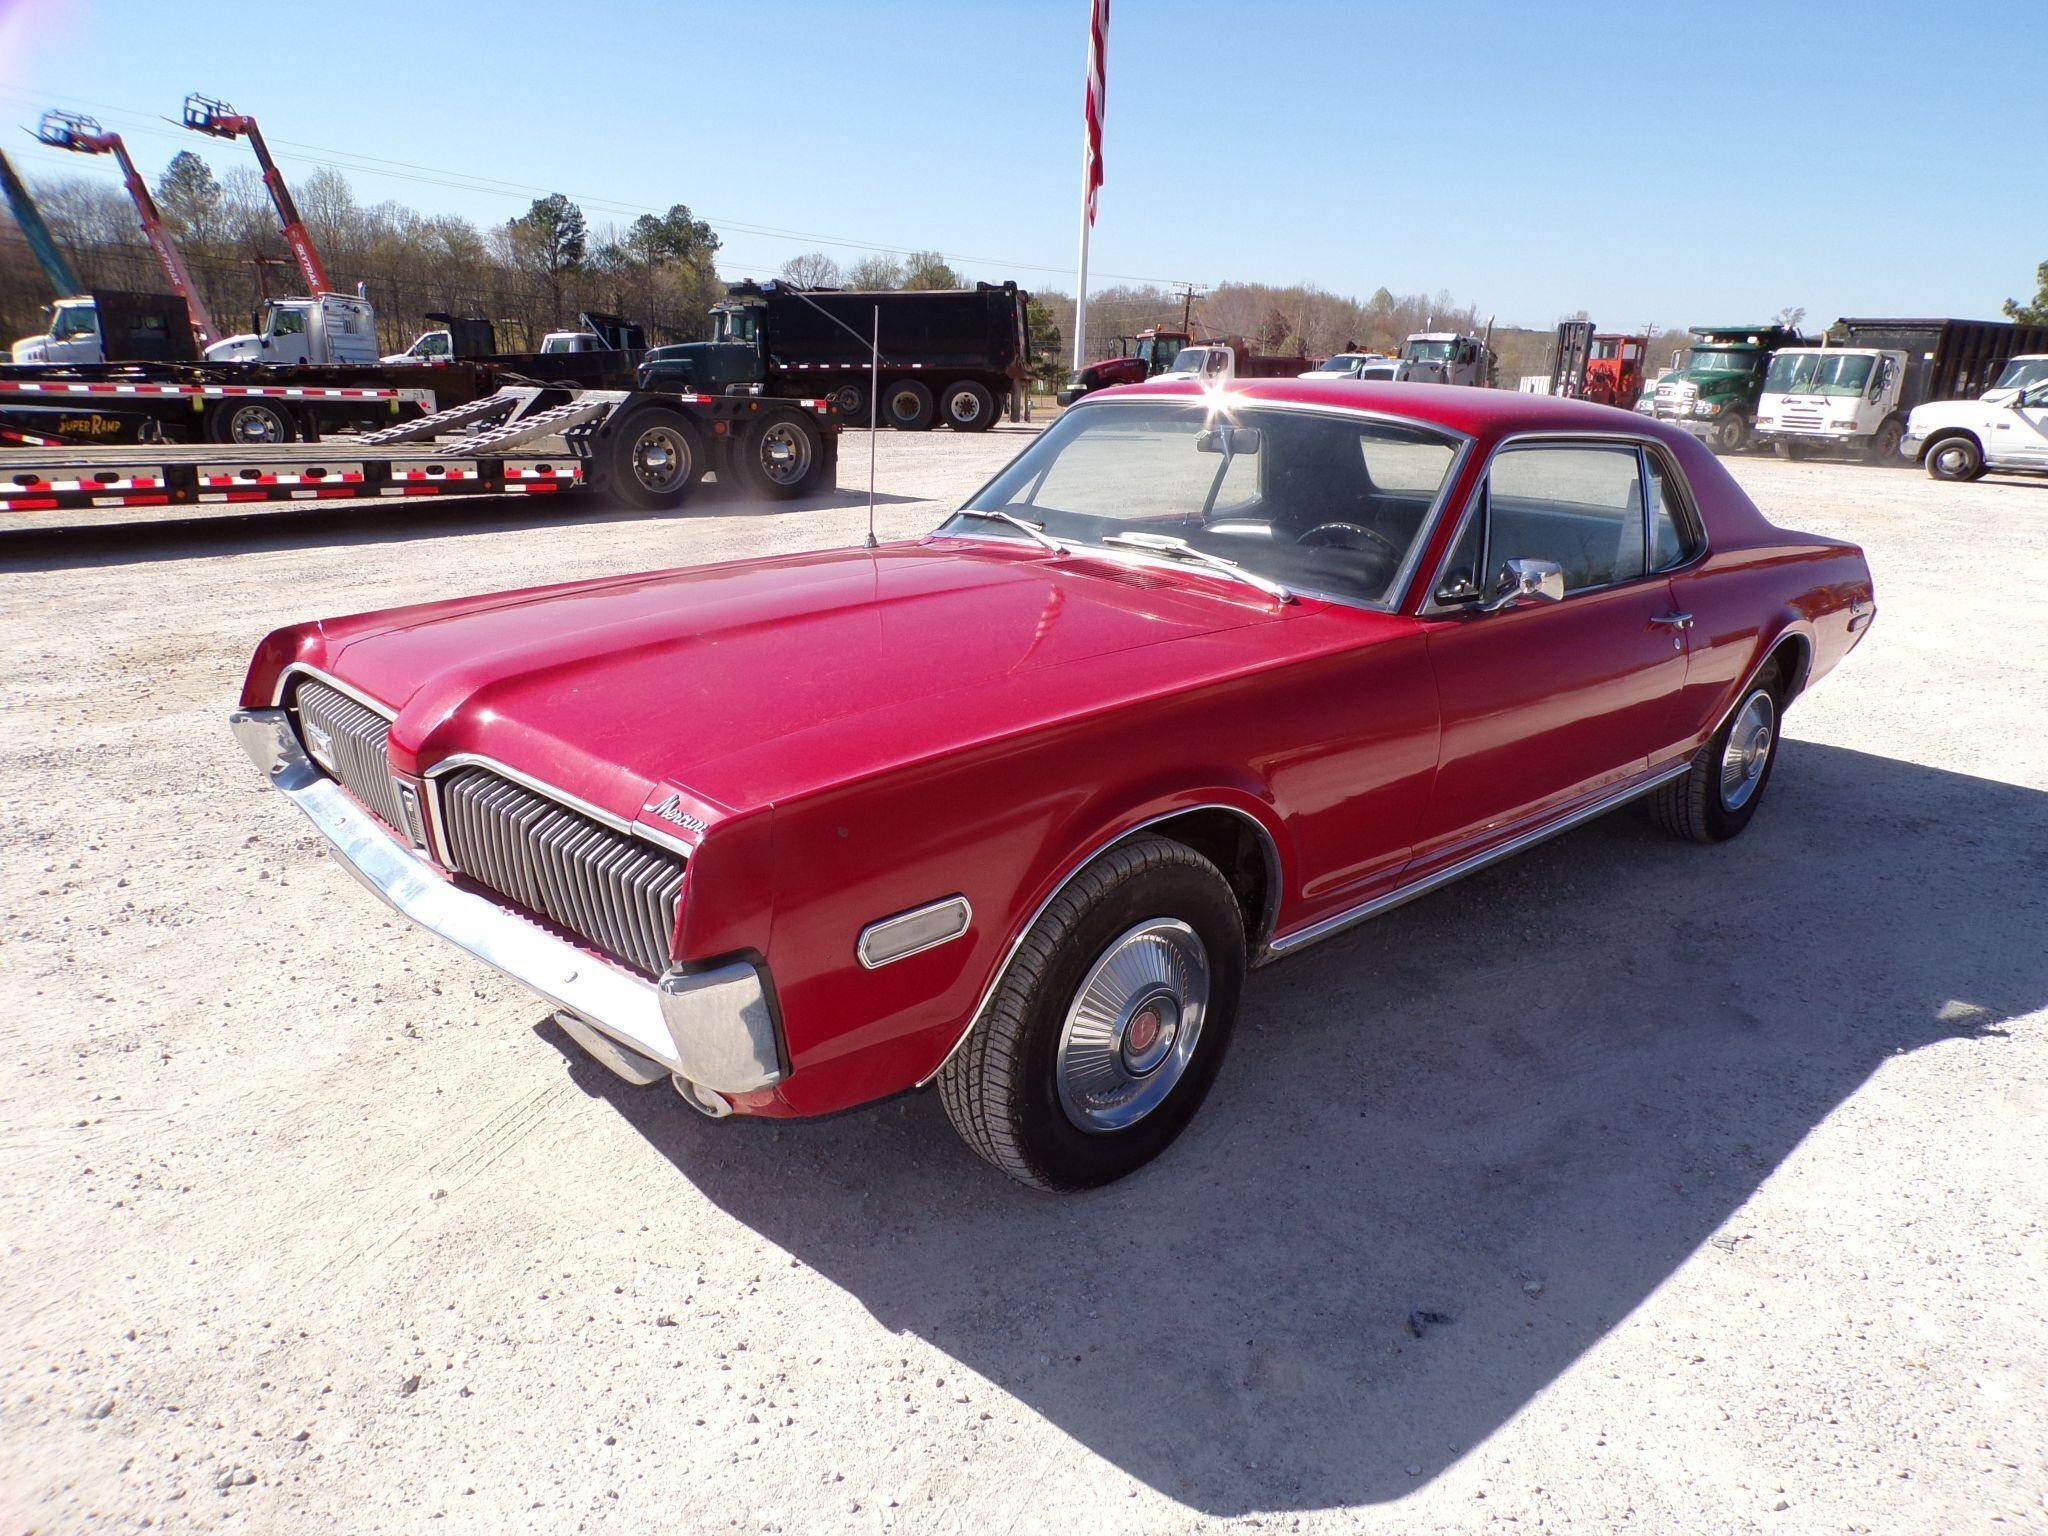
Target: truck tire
1955	458
243	422
968	406
1884	446
781	456
852	400
907	405
652	458
1730	433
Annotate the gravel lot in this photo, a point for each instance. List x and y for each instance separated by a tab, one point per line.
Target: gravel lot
1725	1165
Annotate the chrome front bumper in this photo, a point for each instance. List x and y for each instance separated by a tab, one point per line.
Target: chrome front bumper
712	1027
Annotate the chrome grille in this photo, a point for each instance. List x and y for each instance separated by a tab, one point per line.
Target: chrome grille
616	891
350	740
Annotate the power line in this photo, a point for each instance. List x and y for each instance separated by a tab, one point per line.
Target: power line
491	186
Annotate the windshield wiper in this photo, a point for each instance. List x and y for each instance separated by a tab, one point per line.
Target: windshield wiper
1031	530
1181	549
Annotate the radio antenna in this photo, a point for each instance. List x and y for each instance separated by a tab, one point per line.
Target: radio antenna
874	406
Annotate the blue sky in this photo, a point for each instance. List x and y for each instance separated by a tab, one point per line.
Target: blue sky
1670	163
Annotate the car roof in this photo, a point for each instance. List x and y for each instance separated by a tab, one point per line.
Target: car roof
1462	408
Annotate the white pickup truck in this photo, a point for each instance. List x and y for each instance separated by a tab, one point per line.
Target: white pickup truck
2005	430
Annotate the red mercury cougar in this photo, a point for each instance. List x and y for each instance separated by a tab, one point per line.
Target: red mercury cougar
1202	677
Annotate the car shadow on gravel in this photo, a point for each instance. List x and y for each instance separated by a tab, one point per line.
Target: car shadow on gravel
53	545
1449	1152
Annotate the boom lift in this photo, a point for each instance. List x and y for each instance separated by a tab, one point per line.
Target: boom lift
55	268
204	115
68	130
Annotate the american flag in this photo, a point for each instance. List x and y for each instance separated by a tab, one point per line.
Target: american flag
1098	49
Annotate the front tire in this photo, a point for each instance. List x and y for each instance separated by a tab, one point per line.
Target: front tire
1884	447
1956	458
1730	433
1720	792
1108	1028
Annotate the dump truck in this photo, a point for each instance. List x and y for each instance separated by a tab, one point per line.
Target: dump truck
1713	392
1854	391
946	355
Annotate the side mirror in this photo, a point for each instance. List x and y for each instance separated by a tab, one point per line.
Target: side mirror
1540	579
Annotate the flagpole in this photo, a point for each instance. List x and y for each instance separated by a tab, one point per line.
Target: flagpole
1081	283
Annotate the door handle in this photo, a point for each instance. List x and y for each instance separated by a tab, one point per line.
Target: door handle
1675	620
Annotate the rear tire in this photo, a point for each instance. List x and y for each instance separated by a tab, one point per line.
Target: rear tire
968	407
246	422
653	458
1721	790
907	405
781	456
1956	458
1110	1024
852	400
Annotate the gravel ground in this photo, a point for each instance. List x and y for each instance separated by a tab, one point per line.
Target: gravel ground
1723	1168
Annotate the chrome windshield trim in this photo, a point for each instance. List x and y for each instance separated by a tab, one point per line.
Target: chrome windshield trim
1461	448
559	796
1301	938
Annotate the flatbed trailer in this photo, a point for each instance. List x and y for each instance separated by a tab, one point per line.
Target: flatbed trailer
647	448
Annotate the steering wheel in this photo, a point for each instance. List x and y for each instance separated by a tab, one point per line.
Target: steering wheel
1338	535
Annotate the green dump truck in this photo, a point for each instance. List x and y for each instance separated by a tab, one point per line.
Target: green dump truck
1713	392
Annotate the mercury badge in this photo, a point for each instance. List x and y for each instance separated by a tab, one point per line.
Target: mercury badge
671	811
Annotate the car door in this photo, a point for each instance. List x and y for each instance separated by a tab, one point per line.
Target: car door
2019	434
1545	703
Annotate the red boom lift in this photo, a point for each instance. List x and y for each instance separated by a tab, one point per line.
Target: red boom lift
204	115
68	130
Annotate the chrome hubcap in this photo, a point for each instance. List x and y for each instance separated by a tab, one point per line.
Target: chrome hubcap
1133	1025
660	459
252	424
1748	751
785	454
1950	460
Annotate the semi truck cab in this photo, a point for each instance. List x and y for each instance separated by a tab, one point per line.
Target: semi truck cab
72	336
1834	397
325	329
1446	357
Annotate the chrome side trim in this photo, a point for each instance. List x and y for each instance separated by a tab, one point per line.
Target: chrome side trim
301	669
951	917
1301	938
1273	875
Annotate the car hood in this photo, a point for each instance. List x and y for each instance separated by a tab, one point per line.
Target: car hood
755	680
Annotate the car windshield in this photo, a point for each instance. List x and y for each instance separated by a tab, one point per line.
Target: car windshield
1818	373
1430	351
733	325
1343	362
1719	360
2023	373
1326	504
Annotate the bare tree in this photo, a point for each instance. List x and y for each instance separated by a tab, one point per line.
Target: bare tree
928	269
813	269
878	271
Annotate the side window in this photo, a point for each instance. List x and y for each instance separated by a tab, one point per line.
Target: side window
1672	541
1577	505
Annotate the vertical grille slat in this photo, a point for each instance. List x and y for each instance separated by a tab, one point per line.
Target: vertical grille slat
608	887
350	740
